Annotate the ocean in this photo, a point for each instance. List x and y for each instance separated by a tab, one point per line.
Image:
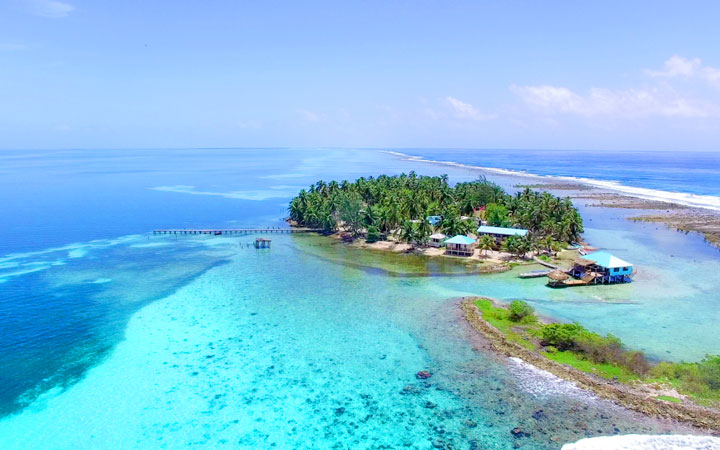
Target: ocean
114	338
688	178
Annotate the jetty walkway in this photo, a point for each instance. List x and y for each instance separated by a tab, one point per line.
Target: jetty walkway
547	264
237	231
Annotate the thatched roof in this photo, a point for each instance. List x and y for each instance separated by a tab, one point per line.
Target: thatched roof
558	275
584	262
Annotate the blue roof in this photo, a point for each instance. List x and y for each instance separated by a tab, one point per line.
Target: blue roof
432	220
504	231
460	239
605	259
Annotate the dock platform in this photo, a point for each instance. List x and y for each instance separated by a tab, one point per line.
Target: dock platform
235	231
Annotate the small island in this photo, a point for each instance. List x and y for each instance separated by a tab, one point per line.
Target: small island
475	220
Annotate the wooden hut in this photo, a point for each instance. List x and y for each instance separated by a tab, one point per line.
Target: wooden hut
602	268
460	245
557	278
262	243
437	240
500	233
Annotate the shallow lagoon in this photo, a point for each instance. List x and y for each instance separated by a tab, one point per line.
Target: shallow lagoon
278	348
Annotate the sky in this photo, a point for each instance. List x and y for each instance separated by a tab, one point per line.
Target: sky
639	75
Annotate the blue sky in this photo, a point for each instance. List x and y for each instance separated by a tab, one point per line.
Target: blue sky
618	75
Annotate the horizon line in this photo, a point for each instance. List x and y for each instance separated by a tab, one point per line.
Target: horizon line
274	147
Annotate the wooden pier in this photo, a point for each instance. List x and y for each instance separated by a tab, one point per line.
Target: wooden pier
236	231
547	264
262	243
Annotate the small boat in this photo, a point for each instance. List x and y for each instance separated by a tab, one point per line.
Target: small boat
535	274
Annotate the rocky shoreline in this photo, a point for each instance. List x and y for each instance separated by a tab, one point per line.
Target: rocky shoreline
636	398
689	221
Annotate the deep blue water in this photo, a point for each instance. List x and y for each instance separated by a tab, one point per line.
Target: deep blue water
59	197
681	171
73	219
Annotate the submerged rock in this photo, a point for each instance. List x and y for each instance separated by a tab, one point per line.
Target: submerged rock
423	375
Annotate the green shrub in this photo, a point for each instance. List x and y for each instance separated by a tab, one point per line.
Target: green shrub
665	369
701	379
636	362
709	371
519	310
600	349
561	335
544	257
373	235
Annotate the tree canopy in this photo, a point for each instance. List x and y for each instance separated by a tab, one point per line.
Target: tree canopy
401	204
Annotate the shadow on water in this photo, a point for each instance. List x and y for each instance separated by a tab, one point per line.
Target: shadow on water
417	266
58	325
576	301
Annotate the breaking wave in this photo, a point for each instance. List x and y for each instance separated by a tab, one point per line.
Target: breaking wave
709	202
646	442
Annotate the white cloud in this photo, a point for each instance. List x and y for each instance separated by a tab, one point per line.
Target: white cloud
464	110
9	47
658	97
308	115
50	8
678	67
625	103
254	124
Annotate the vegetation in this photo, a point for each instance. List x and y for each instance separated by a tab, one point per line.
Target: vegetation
606	356
373	234
400	205
500	319
486	243
669	398
605	370
519	311
700	379
560	335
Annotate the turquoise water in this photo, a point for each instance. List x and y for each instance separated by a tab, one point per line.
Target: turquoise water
152	342
275	348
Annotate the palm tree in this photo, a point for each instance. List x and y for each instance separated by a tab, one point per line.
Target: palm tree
511	245
386	202
408	232
527	244
424	230
373	215
486	243
549	244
